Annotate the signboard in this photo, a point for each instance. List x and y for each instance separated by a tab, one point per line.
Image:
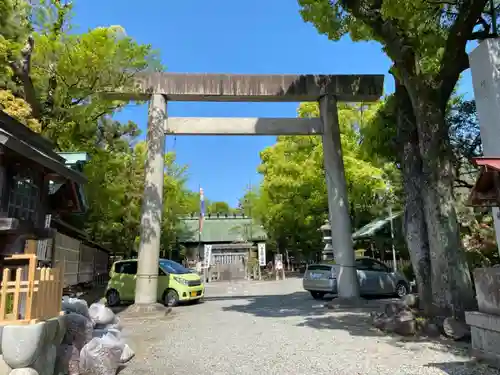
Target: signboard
207	256
262	253
44	247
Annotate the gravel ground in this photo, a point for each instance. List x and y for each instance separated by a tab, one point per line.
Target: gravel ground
276	328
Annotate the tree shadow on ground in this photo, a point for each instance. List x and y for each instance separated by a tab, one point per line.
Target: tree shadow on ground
353	319
466	367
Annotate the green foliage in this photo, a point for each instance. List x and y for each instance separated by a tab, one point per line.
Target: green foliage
219	207
18	108
292	202
421	27
14	28
249	202
476	225
69	73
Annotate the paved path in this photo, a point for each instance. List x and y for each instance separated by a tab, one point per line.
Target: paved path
275	328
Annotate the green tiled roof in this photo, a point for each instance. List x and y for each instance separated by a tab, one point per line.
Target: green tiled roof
222	229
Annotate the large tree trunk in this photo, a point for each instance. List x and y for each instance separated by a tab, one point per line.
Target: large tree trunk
414	225
451	283
22	70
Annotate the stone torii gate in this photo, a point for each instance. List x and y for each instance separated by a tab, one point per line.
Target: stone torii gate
159	88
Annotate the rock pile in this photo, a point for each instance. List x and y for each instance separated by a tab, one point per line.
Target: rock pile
404	318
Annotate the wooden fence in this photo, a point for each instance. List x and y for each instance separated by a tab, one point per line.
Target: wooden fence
29	294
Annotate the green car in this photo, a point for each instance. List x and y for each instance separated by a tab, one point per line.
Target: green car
175	283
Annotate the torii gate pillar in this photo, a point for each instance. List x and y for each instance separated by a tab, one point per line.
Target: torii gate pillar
338	204
152	205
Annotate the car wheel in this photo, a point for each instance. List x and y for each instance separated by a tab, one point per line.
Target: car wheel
402	290
113	298
171	298
317	295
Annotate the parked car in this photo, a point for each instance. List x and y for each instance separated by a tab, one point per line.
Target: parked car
374	277
176	283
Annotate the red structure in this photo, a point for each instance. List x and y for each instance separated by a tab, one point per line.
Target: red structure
486	191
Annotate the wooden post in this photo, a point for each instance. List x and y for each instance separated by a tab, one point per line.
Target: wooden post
3	298
30	247
31	286
17	293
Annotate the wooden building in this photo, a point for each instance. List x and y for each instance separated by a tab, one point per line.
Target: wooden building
486	190
38	187
232	237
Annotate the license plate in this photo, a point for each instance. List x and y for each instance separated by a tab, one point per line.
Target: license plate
316	276
193	294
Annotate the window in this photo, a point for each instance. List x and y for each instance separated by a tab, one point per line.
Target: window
379	267
24	196
129	268
366	264
173	267
318	267
363	264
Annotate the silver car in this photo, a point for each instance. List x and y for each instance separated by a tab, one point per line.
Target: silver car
374	277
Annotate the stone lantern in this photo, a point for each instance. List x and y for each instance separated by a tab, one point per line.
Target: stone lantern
326	230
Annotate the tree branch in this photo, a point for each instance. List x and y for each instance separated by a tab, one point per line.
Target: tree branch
462	183
455	59
398	45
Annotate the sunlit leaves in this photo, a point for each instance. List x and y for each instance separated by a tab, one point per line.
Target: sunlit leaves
18	109
424	24
293	202
70	72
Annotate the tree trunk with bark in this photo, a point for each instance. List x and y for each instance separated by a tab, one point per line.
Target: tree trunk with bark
414	224
452	291
22	70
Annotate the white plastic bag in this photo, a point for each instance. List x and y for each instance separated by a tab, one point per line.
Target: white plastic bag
100	332
101	314
75	305
127	354
101	355
78	330
115	324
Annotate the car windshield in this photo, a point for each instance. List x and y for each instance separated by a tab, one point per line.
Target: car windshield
173	267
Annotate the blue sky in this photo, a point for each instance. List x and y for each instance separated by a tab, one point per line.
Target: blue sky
228	36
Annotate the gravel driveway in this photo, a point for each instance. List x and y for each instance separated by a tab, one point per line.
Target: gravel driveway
275	328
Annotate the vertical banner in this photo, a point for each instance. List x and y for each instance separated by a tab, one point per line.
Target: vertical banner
262	253
207	256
